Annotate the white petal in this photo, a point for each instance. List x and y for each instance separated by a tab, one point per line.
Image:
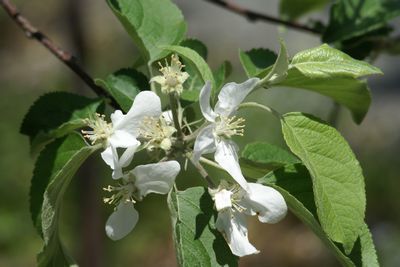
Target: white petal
127	156
234	229
265	201
110	157
123	139
205	142
232	94
226	156
222	199
204	100
155	178
146	104
160	79
121	221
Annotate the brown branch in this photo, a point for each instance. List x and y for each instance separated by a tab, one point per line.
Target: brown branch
255	16
65	57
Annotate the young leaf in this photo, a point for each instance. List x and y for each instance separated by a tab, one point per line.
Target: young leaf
337	177
294	183
123	85
199	63
56	114
151	24
294	9
352	18
53	172
279	70
195	81
352	93
257	60
197	242
259	158
221	74
327	62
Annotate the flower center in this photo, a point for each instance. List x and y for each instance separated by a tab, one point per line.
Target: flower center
157	133
123	193
101	129
229	126
227	197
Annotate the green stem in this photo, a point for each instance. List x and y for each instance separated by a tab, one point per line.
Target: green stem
175	117
263	107
152	85
211	163
202	172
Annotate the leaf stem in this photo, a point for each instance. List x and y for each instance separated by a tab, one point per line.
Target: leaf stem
263	107
202	172
33	33
211	163
175	117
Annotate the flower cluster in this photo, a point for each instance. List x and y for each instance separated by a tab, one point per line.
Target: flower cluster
146	127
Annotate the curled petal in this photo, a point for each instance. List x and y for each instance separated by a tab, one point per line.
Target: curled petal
266	202
127	156
110	157
205	142
146	104
233	226
232	94
226	157
204	100
155	178
121	221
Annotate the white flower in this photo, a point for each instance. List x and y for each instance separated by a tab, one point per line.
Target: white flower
223	125
234	203
124	130
173	77
144	179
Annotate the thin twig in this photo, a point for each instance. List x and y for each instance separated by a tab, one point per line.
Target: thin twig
255	16
33	33
202	172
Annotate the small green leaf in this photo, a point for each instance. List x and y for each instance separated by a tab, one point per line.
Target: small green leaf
259	158
221	74
294	9
53	172
278	71
201	66
56	114
257	60
327	62
352	93
338	183
197	46
151	24
197	242
352	18
124	85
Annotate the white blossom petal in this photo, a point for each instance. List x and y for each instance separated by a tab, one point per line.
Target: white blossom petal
205	142
155	178
204	100
232	94
265	201
146	104
127	156
122	139
233	226
226	157
121	221
110	157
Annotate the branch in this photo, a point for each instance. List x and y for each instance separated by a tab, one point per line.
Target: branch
65	57
255	16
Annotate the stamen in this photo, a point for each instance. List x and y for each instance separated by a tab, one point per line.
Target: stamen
102	130
157	133
230	126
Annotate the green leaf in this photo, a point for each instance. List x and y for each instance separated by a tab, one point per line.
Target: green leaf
56	114
195	82
338	183
293	9
256	60
151	24
295	184
351	93
123	85
352	18
327	62
259	158
192	57
53	172
197	242
221	74
278	71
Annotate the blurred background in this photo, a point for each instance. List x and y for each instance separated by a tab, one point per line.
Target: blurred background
89	30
